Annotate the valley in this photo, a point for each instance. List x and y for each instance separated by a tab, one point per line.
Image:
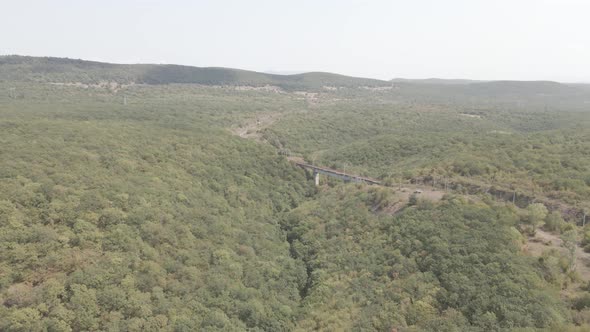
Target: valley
168	201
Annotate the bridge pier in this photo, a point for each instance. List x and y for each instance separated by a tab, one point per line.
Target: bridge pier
316	177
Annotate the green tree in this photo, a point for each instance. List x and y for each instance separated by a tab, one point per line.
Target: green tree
569	239
83	304
23	320
413	199
554	222
536	214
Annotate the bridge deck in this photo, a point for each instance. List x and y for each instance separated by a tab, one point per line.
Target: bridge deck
337	173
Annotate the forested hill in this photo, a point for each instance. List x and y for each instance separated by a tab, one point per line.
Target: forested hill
143	207
74	71
545	91
64	70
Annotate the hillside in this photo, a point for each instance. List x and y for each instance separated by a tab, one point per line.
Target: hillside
62	70
72	71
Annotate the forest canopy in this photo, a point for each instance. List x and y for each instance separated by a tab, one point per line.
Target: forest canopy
146	207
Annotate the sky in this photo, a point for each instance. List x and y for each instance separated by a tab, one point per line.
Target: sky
385	39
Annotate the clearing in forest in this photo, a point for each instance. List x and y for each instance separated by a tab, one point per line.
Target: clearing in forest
253	127
543	241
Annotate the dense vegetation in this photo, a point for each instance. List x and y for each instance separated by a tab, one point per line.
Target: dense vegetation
532	151
128	224
135	208
435	267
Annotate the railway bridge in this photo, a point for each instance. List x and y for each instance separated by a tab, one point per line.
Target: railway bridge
317	170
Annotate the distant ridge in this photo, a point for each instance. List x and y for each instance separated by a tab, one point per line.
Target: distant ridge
442	81
65	70
522	87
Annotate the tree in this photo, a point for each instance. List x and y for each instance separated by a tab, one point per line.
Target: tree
83	304
536	215
569	242
413	199
554	222
25	319
585	213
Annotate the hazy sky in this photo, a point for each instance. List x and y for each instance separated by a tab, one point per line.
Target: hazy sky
478	39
